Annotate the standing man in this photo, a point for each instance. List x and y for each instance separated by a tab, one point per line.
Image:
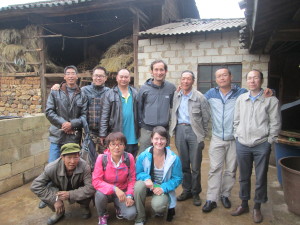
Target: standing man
119	112
70	178
95	93
190	116
257	123
154	102
64	110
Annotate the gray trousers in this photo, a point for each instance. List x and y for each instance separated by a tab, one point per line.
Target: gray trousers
101	201
260	155
190	152
159	203
145	140
222	171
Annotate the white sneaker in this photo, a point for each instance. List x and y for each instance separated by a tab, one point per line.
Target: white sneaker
139	223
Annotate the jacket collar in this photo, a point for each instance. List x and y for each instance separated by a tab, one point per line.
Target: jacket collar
149	82
63	87
192	97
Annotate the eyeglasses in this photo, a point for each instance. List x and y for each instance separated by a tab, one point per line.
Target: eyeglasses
99	76
115	145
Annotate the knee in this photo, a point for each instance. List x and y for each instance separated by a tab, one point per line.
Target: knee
100	197
159	207
139	187
130	213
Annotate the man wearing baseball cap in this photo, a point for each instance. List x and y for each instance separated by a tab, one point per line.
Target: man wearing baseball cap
71	180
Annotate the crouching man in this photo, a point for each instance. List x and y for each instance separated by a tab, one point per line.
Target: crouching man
71	180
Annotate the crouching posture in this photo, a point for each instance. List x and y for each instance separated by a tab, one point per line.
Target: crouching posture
70	178
159	173
114	178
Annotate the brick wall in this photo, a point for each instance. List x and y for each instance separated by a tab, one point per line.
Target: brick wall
20	96
187	52
23	150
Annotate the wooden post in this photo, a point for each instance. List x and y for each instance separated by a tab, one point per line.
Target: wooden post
136	29
42	69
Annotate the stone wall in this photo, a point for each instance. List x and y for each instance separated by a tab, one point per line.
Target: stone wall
20	96
23	150
187	52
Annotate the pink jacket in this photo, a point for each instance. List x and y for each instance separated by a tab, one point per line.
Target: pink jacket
104	181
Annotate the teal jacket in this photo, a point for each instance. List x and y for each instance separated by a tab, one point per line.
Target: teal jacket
172	172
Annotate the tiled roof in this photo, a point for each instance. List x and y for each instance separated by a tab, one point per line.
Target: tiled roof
189	26
44	4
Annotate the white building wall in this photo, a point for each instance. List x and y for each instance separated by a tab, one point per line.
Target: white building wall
187	52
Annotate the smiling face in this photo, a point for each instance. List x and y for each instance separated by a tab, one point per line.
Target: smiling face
71	161
71	77
123	78
254	81
116	148
159	142
99	77
186	82
159	73
223	78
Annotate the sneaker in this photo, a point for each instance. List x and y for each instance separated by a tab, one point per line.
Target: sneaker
184	196
42	205
118	214
55	218
103	219
196	200
139	223
159	214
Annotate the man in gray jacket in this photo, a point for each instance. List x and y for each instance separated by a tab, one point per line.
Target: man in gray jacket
256	126
154	102
189	121
71	180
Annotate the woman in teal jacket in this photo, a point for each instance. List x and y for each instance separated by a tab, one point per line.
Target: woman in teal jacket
159	177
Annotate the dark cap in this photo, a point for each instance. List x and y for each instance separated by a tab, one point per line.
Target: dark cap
69	148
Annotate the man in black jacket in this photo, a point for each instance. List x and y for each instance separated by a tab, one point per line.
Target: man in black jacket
64	110
119	112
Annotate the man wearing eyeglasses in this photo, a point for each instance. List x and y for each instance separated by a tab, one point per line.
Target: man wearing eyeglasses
119	112
64	110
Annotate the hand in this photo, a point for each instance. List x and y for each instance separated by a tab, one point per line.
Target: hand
178	88
158	191
102	140
66	126
63	195
129	202
120	194
149	184
55	87
268	93
59	207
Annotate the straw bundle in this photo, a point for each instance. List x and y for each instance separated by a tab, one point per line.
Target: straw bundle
10	36
119	56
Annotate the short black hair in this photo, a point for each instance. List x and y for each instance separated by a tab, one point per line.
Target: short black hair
114	136
260	73
71	67
100	68
159	61
224	67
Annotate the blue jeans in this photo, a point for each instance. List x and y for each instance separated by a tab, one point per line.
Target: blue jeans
54	152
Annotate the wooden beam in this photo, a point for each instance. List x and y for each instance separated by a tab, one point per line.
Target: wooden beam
42	69
27	74
136	29
57	75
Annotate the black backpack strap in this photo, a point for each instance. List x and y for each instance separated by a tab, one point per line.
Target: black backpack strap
104	161
127	160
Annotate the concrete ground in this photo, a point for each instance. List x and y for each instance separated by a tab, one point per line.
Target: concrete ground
19	206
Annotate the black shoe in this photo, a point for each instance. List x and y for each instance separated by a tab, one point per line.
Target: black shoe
42	205
226	202
184	196
55	218
196	200
209	206
171	213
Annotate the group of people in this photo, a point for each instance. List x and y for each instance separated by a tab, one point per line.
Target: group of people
131	130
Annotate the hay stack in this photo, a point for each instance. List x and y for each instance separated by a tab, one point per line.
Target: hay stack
119	56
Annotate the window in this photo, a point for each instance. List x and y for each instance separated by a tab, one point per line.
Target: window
206	75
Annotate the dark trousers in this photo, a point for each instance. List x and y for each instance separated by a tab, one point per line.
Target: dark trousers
132	148
190	152
260	155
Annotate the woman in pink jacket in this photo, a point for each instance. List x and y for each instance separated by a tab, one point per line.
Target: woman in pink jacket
114	179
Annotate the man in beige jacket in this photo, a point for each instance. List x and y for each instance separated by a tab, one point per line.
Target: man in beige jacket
256	125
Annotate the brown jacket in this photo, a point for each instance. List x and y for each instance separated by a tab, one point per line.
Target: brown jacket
55	173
